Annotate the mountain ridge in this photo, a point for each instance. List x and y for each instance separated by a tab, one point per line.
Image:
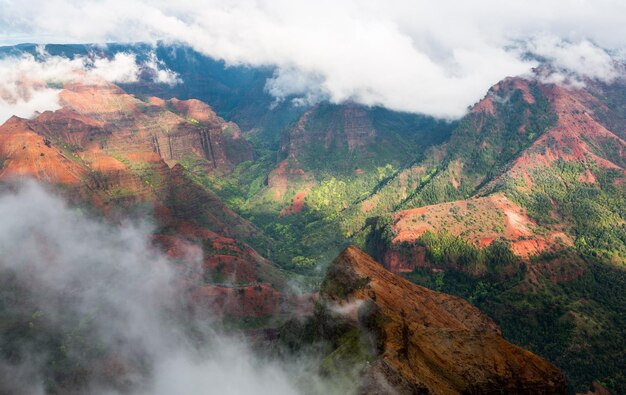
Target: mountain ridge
436	343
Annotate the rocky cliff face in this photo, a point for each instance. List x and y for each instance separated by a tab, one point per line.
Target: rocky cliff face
422	341
104	115
116	149
222	143
349	142
332	127
324	138
104	148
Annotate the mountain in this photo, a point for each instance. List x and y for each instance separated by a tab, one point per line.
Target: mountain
235	92
114	154
518	207
333	156
409	339
522	176
349	142
522	213
173	129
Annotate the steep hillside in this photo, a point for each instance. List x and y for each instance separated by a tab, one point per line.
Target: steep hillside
478	222
130	126
24	152
355	145
414	340
128	149
528	231
564	189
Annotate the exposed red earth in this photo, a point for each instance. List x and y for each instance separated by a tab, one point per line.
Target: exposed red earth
115	151
578	138
429	342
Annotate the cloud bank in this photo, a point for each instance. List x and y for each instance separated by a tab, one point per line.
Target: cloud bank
420	56
30	84
96	307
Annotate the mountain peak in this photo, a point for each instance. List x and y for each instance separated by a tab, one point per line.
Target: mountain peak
14	122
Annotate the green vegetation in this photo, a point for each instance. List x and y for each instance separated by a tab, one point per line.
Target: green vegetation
597	212
144	170
482	145
557	305
580	325
447	251
341	178
351	354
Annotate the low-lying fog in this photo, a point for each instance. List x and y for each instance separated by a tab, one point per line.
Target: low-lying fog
96	305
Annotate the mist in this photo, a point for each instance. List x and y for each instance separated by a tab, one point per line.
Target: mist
30	84
97	307
435	58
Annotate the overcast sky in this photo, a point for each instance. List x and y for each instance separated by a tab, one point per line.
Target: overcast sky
433	57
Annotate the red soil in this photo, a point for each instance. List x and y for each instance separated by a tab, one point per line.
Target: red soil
102	142
232	269
479	221
297	205
369	205
287	173
196	109
572	137
178	248
486	105
23	152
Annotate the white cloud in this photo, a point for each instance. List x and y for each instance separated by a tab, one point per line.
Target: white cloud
29	85
414	55
101	287
582	59
159	72
122	68
291	82
25	107
24	86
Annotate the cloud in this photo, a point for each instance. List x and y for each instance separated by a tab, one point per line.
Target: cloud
159	73
421	56
34	101
575	61
98	305
30	84
123	68
286	82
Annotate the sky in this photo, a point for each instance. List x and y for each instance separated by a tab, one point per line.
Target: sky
420	56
